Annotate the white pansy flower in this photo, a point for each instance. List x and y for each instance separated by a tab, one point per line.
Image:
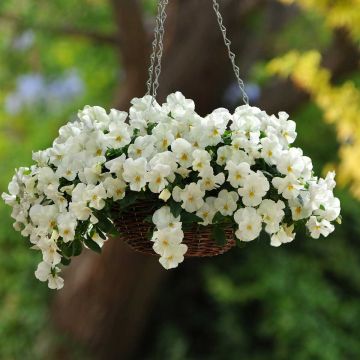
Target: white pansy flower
284	235
223	154
201	160
272	213
300	206
254	189
308	168
165	195
330	209
50	249
165	158
163	137
246	120
143	147
66	223
163	218
249	224
44	216
45	272
96	195
115	166
319	227
165	238
115	188
135	173
237	173
192	197
79	205
226	202
286	128
330	180
271	150
176	193
239	156
291	162
91	175
289	187
209	181
177	104
119	132
156	178
66	170
96	146
56	154
183	152
183	172
173	256
48	182
42	157
207	211
94	117
215	126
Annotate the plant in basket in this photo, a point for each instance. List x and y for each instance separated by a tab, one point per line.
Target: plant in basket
171	182
168	181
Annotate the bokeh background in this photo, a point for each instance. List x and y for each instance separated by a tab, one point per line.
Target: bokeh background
300	301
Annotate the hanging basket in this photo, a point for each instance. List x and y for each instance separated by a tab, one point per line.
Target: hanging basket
171	182
134	230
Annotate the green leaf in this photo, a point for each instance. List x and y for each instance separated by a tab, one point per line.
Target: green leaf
129	199
65	261
91	244
148	219
67	250
101	234
218	218
190	218
175	208
218	235
76	247
105	225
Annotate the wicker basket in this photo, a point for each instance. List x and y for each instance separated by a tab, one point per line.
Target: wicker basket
134	231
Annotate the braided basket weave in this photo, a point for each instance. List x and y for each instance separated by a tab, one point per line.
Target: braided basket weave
134	231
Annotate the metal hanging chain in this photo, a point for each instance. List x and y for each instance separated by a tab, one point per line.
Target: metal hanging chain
158	47
230	53
157	50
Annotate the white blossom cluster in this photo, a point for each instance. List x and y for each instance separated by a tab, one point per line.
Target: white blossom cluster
238	169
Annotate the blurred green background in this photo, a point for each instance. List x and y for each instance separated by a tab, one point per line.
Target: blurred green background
300	301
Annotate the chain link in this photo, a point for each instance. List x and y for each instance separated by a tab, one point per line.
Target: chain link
158	47
157	50
230	53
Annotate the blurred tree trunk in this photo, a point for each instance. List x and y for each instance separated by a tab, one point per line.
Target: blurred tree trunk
105	302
